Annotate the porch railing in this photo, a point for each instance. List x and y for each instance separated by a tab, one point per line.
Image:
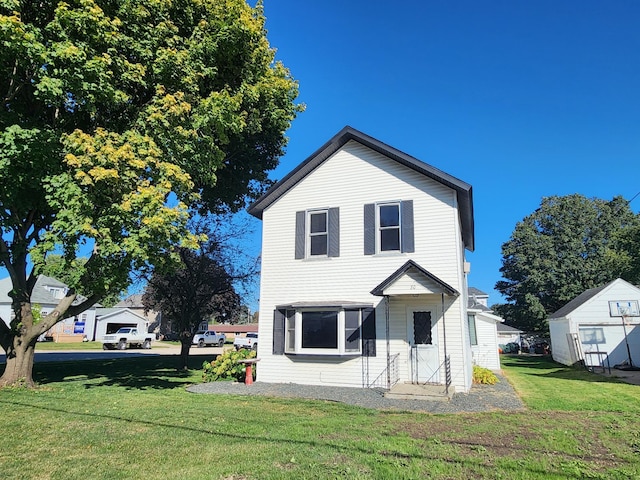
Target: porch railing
389	376
447	371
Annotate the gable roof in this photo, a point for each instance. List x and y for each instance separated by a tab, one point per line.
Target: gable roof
473	305
476	291
41	293
583	298
132	301
379	290
502	328
579	300
463	189
102	313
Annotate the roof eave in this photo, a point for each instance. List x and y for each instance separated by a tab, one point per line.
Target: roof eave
463	189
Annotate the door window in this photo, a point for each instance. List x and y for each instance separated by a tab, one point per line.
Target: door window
422	328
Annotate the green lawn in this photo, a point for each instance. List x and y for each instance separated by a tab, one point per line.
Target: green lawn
132	418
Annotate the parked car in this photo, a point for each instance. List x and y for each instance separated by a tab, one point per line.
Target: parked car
127	337
511	347
203	338
249	342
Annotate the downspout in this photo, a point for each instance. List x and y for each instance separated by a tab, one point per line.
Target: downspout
386	315
446	363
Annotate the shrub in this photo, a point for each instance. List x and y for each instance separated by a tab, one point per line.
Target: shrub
226	366
484	376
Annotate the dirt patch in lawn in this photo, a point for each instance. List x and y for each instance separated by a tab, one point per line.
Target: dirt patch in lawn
562	436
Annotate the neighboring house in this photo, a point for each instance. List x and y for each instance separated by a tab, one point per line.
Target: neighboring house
110	320
478	297
508	334
47	293
232	331
134	304
601	327
483	334
363	278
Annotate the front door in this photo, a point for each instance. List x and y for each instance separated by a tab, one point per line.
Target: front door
423	343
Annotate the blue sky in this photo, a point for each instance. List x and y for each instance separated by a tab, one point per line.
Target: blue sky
521	99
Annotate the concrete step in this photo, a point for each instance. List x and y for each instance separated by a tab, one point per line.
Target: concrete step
411	391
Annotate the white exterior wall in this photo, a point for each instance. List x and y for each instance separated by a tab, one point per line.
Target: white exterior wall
594	313
559	332
485	353
351	178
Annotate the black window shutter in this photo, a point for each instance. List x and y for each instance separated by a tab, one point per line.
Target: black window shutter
278	332
300	232
369	332
334	232
369	229
351	330
407	226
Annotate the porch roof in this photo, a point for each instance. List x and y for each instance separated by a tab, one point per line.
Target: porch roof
412	271
324	304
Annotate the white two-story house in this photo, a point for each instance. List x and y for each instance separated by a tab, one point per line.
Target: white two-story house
363	270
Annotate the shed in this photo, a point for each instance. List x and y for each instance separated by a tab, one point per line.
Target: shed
599	327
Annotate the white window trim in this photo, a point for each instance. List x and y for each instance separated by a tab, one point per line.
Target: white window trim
340	351
379	228
309	235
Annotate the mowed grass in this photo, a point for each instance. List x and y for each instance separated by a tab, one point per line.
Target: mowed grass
133	418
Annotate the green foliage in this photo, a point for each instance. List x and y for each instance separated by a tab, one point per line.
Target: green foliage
484	376
226	366
121	118
568	245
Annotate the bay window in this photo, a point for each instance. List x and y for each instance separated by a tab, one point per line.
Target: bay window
324	330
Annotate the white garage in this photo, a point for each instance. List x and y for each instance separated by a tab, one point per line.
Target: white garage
600	327
109	320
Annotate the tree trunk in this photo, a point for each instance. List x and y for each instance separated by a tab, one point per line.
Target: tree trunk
19	366
185	346
19	343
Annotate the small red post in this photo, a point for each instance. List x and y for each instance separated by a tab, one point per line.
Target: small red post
248	375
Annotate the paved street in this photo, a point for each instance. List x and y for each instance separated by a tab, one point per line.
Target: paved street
156	349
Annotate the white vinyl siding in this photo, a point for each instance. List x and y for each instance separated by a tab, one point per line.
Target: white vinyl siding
345	181
485	351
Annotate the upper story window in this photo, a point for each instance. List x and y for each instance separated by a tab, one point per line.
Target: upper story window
388	227
317	233
56	292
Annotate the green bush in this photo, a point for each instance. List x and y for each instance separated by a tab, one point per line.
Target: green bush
226	366
484	376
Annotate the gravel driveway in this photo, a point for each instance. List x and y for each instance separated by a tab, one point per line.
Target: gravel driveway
481	398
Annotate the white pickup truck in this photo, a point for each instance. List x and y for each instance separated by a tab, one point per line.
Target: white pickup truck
208	337
127	337
249	342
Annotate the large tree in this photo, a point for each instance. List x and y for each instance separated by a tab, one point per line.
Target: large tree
203	285
569	244
116	116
